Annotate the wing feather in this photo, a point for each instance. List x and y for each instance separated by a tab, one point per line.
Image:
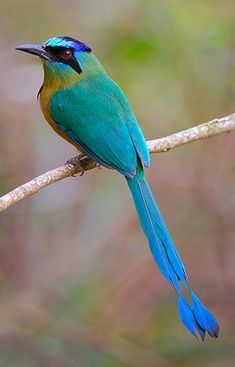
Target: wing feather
97	116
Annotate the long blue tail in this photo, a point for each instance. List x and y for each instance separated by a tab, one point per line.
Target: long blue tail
195	316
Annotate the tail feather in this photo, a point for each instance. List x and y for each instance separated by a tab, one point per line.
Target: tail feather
196	317
162	231
188	318
204	317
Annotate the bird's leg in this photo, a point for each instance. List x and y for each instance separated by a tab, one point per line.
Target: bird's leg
76	162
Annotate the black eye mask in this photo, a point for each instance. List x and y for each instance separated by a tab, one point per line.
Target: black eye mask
56	54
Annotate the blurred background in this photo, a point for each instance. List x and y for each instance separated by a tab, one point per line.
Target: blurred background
78	285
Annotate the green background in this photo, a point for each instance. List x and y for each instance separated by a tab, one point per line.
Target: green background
78	285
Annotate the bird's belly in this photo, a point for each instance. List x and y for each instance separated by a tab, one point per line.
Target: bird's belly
45	96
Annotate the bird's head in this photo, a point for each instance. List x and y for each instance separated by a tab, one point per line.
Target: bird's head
64	56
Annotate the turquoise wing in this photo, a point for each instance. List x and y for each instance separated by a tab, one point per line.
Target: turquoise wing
96	115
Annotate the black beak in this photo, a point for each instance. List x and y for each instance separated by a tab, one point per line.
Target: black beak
38	50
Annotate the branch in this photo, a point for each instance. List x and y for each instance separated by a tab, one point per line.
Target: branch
203	131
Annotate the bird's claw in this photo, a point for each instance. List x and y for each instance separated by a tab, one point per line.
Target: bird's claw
76	162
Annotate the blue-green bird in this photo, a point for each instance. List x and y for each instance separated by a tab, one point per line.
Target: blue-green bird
87	108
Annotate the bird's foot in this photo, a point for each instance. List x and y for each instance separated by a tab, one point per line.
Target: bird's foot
76	162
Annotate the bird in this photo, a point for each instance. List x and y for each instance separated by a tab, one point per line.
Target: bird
86	107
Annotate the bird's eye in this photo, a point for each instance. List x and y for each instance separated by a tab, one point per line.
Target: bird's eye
66	54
